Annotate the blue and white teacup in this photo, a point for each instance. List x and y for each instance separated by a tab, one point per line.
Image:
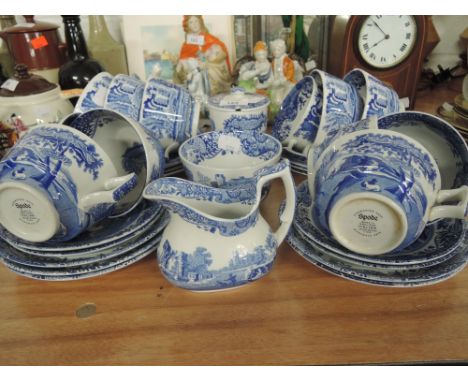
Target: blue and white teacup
56	182
125	95
130	148
375	191
299	114
95	93
169	113
378	98
228	159
341	104
317	149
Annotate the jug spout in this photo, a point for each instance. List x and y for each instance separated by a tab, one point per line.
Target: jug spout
229	211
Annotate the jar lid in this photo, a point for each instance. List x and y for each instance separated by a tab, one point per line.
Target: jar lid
30	25
238	99
23	84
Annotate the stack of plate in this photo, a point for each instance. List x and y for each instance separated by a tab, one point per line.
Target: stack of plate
439	253
298	161
110	245
173	166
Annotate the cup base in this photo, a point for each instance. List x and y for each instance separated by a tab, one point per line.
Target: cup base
27	213
369	224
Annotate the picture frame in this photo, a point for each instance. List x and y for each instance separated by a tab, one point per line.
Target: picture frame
156	40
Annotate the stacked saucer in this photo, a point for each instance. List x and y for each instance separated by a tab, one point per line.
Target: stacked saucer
112	244
440	252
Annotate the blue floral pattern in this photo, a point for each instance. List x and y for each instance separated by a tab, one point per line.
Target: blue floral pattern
125	95
245	122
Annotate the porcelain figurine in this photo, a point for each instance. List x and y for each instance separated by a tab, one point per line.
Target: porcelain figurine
227	243
238	111
284	72
56	182
376	190
209	51
257	76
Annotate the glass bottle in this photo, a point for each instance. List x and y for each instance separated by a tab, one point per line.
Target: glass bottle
80	69
5	57
103	47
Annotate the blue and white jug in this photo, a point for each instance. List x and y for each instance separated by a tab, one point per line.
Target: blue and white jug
216	238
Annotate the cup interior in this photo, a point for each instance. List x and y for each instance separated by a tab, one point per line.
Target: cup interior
234	151
120	140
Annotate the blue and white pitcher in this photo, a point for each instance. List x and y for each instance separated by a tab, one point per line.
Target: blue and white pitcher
216	238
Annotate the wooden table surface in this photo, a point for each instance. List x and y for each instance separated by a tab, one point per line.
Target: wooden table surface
297	314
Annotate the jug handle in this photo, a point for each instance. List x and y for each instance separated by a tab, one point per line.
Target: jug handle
458	211
282	170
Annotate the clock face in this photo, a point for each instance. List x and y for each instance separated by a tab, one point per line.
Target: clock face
385	41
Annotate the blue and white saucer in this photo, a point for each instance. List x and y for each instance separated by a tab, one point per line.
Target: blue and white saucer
85	271
14	255
435	244
110	231
395	278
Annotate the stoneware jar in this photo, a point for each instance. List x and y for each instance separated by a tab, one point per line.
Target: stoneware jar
238	110
55	183
375	191
227	159
226	242
31	99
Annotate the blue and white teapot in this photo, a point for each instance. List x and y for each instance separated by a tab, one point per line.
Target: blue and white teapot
216	238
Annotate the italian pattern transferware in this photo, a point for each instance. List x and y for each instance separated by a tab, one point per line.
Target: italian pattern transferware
436	243
341	103
65	181
97	270
112	231
385	164
227	242
293	109
65	260
125	95
378	98
396	278
443	141
169	113
94	94
130	147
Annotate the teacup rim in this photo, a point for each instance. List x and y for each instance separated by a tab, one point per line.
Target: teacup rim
89	86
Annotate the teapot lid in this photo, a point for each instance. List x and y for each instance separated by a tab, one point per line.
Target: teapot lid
237	99
23	84
31	26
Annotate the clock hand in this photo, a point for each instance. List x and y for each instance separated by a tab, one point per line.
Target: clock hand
387	36
377	25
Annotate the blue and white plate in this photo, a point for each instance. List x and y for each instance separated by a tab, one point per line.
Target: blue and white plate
63	261
436	241
113	231
396	278
96	269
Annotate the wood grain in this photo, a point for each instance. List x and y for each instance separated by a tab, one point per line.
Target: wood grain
298	314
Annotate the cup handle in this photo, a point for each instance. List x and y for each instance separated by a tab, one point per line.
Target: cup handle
169	149
114	190
458	211
281	170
